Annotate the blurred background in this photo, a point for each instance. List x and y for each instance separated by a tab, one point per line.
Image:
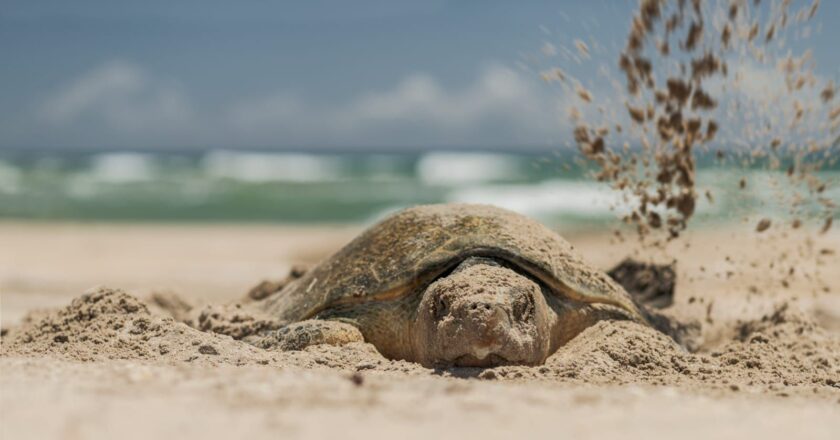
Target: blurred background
311	111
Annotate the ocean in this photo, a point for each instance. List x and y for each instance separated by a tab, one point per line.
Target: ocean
299	187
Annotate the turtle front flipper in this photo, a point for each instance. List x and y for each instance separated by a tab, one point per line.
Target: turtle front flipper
299	335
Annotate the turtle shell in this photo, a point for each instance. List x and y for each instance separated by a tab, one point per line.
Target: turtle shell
413	247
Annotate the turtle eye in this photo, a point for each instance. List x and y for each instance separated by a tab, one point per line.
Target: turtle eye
440	308
523	307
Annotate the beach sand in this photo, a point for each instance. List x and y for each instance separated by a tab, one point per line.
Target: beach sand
767	366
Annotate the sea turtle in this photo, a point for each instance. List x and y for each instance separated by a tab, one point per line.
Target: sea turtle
453	284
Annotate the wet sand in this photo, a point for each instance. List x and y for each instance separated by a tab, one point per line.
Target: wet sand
589	390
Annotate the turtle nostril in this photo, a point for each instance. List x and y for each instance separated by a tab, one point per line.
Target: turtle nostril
474	306
487	306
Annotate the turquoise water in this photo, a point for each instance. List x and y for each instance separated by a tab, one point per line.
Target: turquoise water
302	188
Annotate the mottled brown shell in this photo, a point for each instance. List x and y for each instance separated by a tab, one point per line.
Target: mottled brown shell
414	246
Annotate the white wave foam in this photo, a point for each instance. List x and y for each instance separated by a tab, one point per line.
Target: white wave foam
559	197
269	167
122	167
10	178
460	168
81	187
553	197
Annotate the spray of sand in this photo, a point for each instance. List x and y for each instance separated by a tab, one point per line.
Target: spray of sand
695	77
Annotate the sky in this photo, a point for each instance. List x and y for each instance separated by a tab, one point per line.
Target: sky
302	75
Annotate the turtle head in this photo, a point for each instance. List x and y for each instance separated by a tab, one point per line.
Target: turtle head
482	314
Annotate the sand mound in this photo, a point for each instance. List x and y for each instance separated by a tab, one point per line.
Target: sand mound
618	351
782	352
778	351
110	324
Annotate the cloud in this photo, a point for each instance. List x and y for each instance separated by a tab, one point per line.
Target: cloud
497	91
499	107
120	95
128	106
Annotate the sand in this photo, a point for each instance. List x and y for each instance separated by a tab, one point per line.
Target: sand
112	362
